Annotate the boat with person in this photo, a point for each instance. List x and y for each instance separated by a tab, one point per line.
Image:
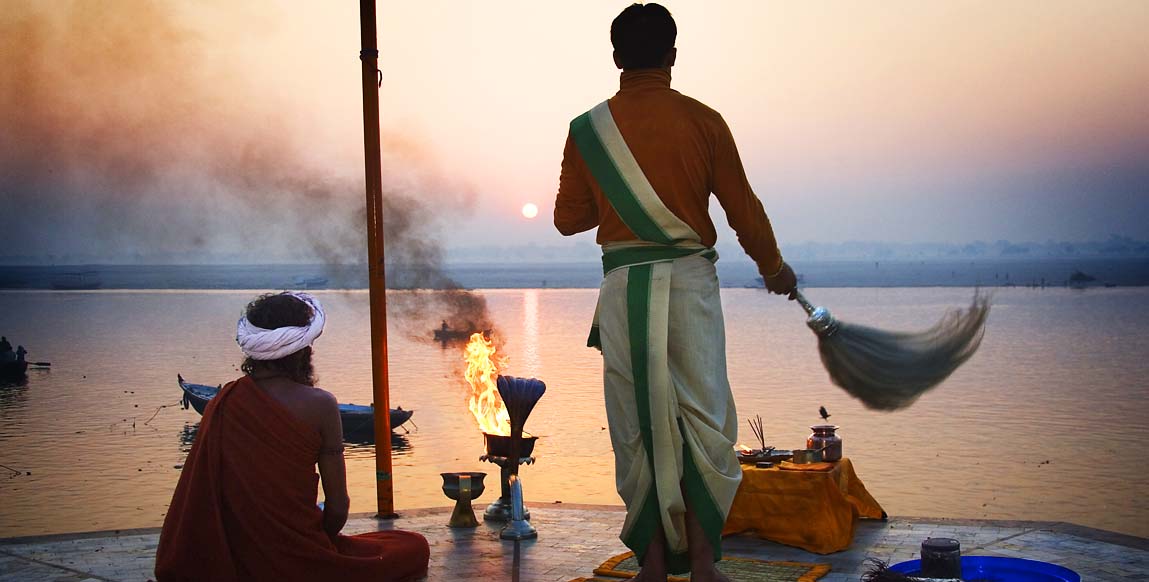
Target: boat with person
1081	280
77	281
357	418
13	366
760	283
445	334
310	282
451	335
13	371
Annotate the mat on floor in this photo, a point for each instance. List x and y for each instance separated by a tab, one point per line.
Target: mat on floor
738	569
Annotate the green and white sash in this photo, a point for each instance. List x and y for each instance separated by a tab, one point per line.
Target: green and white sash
673	445
664	236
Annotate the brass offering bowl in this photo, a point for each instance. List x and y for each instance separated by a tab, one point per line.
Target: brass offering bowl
500	445
463	488
499	452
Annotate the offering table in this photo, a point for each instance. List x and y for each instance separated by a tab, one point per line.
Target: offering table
816	507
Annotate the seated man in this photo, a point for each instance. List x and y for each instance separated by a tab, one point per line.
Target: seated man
245	506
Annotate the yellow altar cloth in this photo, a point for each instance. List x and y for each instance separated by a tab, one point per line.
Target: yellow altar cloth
817	511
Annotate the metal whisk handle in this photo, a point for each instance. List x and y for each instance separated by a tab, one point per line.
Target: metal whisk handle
819	318
801	299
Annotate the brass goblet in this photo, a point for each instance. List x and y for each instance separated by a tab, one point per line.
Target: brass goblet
463	488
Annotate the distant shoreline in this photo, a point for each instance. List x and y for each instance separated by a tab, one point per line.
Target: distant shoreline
1052	272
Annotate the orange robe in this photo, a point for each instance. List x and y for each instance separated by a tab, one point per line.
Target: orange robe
686	151
245	506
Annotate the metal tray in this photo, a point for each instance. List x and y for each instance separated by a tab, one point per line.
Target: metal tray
774	456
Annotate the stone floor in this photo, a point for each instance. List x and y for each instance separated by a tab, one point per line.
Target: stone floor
574	539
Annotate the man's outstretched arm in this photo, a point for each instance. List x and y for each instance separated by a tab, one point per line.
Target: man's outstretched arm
575	208
745	213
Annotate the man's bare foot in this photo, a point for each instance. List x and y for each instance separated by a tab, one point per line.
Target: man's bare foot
708	574
645	575
653	568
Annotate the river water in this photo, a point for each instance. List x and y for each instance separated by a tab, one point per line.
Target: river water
1047	422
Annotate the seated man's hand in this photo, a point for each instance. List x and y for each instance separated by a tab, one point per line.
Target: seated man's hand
784	282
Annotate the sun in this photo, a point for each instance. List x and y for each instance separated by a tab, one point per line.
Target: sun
530	210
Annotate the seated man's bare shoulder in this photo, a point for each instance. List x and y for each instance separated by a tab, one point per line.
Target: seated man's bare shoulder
320	402
314	406
321	397
324	414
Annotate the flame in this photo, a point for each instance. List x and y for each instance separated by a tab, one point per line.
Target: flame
742	447
482	372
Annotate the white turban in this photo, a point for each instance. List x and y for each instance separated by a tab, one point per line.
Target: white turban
271	344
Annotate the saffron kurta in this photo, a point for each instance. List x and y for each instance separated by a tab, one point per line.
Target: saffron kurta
659	318
245	506
687	152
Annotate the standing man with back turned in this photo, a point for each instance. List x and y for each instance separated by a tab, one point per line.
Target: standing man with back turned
641	167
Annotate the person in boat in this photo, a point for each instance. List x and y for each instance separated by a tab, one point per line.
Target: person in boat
6	353
641	167
20	353
245	506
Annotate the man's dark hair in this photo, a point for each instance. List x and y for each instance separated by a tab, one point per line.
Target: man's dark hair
276	310
642	35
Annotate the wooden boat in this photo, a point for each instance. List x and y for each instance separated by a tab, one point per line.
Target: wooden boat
310	282
77	281
14	370
448	335
1080	280
357	419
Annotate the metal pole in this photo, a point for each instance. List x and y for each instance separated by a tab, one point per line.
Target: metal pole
375	263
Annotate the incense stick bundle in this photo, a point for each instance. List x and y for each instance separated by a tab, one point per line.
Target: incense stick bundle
756	428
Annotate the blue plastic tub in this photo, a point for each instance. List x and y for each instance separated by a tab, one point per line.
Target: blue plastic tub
1000	570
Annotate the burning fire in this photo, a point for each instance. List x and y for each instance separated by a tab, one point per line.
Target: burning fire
482	373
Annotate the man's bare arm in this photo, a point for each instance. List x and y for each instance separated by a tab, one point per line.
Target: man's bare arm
332	468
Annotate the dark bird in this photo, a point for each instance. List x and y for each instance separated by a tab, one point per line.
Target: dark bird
822	411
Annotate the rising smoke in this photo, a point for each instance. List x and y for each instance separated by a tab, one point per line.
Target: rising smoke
116	141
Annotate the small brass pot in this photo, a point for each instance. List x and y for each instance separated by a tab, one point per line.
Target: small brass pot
806	456
826	440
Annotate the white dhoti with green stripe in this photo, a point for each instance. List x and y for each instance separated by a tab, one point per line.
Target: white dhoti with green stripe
659	324
668	401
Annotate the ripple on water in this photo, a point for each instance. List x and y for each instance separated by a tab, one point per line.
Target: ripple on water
1060	378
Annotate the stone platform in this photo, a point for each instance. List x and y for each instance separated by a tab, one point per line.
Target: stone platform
574	539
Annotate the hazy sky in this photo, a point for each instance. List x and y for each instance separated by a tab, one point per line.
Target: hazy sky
899	121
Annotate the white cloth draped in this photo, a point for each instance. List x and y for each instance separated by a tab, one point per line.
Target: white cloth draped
272	344
690	402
